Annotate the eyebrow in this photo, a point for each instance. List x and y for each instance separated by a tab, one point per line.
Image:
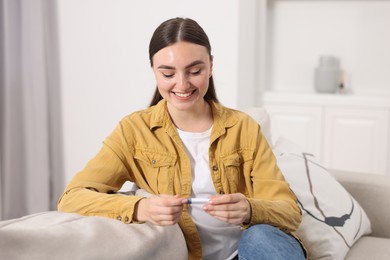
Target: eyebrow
192	64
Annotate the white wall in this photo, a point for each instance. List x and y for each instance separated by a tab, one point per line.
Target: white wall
105	70
355	31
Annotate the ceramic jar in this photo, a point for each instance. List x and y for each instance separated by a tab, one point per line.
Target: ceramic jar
327	75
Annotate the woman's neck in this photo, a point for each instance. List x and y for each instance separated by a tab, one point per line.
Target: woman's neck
195	120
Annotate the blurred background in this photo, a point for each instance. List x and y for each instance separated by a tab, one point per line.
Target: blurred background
71	69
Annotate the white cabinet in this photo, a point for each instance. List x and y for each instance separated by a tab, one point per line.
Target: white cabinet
356	139
344	132
300	124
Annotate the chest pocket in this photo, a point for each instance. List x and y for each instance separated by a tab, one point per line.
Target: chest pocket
236	172
157	170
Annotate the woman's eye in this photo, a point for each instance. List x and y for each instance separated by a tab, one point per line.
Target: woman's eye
195	72
167	75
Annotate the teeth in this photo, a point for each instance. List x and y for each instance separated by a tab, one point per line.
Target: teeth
183	94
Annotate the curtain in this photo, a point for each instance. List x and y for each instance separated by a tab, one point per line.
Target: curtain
31	175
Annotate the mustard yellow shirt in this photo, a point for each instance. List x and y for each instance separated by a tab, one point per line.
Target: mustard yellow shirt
146	149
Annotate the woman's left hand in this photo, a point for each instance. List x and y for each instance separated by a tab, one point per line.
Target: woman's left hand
230	208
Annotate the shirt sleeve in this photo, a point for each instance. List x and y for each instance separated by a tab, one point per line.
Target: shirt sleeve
92	191
273	202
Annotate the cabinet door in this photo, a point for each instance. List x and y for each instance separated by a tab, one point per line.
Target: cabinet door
356	139
300	124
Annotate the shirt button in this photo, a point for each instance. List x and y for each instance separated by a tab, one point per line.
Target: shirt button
119	218
215	168
153	161
126	219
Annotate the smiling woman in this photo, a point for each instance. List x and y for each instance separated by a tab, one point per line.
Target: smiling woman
188	145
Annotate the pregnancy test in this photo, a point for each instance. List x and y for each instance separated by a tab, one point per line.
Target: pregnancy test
197	200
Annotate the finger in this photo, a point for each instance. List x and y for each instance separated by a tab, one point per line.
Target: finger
169	200
224	211
233	217
228	218
165	220
165	210
235	213
166	223
226	198
241	207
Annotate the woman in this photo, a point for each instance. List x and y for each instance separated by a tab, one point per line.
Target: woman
187	145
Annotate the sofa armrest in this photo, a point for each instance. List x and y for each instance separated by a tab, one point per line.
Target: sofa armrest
373	194
59	235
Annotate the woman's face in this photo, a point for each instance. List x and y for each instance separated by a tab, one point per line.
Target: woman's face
182	72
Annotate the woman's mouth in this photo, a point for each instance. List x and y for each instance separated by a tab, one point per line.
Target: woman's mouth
184	94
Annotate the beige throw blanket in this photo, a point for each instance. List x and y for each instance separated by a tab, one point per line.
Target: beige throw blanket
56	235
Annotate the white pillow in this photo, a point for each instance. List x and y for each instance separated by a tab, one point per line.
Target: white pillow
262	117
332	221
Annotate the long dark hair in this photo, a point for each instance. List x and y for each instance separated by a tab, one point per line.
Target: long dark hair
177	30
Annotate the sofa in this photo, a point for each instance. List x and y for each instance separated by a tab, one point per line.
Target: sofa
365	229
63	236
71	236
373	194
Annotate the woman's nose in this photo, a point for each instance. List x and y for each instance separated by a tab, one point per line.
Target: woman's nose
182	81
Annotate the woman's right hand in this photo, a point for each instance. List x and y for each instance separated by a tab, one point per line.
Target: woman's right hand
163	210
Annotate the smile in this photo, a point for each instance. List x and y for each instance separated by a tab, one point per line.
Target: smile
183	95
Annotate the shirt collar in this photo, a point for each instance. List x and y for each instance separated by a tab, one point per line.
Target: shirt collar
223	118
159	114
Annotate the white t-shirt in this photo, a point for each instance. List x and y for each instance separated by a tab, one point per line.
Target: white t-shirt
219	239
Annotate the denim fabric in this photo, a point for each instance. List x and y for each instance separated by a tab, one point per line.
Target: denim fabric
267	242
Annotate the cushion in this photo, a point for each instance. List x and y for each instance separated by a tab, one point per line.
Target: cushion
369	248
57	235
332	220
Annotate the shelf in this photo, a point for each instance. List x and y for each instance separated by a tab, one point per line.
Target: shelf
328	99
295	33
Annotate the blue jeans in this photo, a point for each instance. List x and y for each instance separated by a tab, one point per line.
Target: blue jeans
267	242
